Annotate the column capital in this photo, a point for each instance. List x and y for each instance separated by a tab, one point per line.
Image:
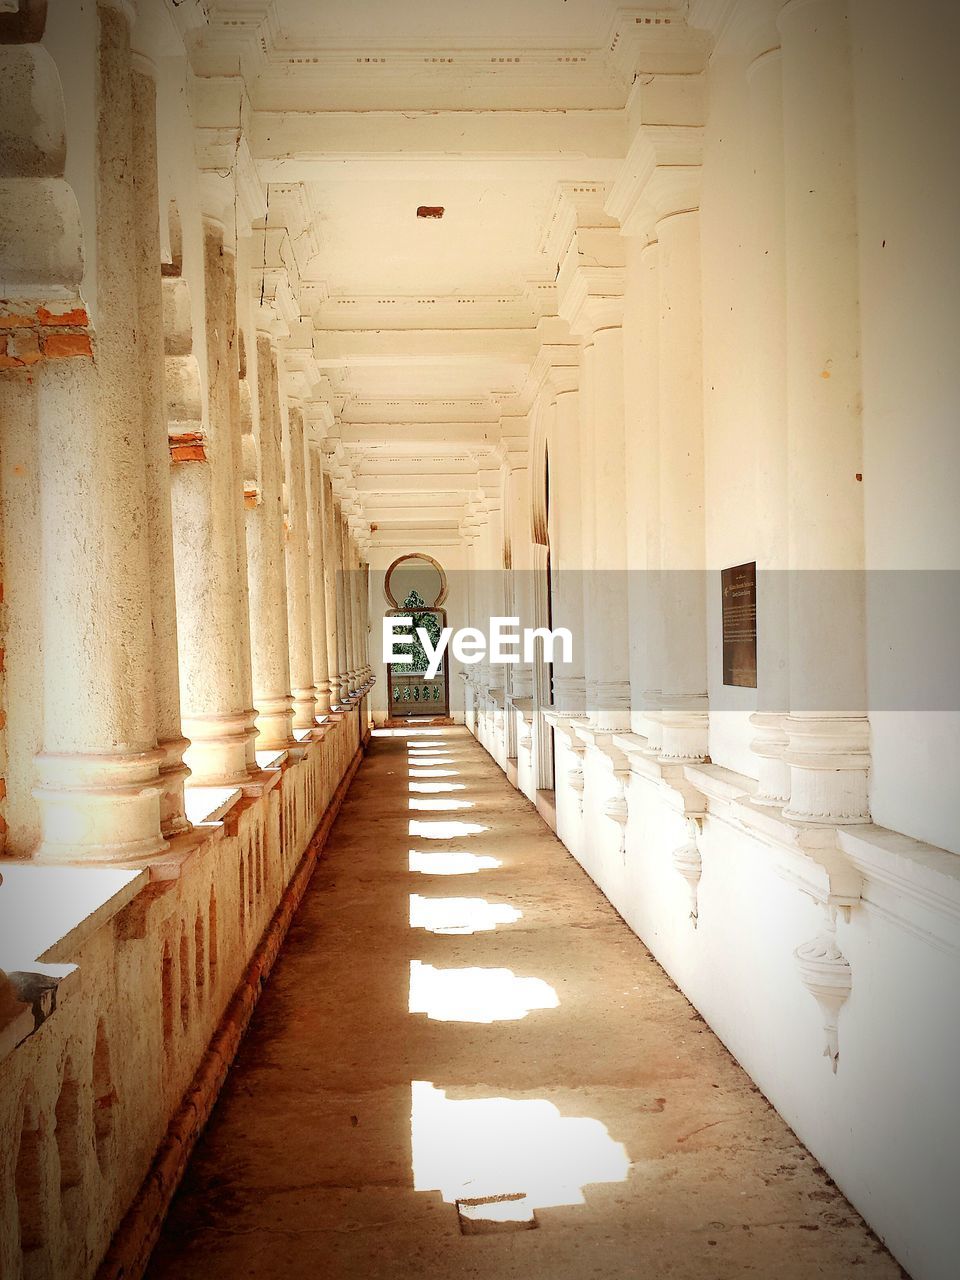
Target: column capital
584	240
592	281
661	175
556	367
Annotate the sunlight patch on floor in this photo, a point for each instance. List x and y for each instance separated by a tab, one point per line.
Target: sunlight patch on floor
436	788
459	915
476	995
444	830
431	761
477	1148
433	773
438	806
457	863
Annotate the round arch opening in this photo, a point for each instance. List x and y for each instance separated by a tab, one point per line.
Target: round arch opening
415	586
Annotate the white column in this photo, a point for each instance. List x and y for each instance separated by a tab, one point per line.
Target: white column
828	749
99	784
350	605
299	620
170	739
611	676
768	355
343	617
586	404
318	596
212	617
518	586
355	578
363	641
330	589
363	636
683	712
565	547
643	480
265	564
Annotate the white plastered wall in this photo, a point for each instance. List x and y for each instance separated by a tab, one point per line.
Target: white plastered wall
909	209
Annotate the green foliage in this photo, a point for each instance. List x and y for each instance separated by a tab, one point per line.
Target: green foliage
430	622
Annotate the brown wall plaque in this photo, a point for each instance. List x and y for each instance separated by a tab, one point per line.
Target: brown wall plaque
739	592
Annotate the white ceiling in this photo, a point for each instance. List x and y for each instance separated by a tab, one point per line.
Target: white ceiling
376	107
441	23
371	241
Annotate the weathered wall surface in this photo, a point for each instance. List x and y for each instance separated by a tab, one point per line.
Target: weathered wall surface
86	1102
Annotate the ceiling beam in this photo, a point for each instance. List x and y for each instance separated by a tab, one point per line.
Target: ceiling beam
286	144
348	347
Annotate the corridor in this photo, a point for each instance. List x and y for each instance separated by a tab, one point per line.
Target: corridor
462	1039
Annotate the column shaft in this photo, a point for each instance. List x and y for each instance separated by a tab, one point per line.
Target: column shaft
587	407
566	549
343	641
330	589
212	616
682	581
170	739
99	786
299	605
768	349
346	560
643	471
828	749
611	676
266	570
318	597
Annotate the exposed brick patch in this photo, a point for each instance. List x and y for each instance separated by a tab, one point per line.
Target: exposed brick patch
251	496
30	334
188	446
75	319
188	453
63	345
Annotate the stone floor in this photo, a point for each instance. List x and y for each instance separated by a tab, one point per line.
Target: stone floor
466	1065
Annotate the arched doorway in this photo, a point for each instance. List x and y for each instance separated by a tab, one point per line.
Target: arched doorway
415	586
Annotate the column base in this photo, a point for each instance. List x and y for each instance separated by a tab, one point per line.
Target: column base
769	746
100	808
651	726
684	733
570	695
274	723
610	710
829	760
173	774
304	708
217	754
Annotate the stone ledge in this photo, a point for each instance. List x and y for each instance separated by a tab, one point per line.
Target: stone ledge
46	914
130	1250
915	884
